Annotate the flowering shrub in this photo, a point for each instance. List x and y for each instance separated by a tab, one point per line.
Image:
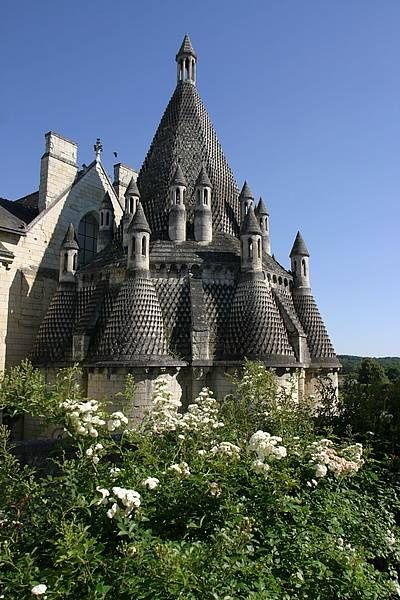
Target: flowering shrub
237	499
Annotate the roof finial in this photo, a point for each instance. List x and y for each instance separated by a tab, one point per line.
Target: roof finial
186	61
98	149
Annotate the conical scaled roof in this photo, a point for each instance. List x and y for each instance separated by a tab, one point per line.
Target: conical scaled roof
179	178
186	48
132	189
70	242
261	209
186	136
246	191
299	247
250	224
203	179
139	221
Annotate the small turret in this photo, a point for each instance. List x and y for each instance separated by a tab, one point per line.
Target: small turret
69	256
106	227
202	211
186	62
300	257
177	213
262	215
250	243
139	242
246	199
132	197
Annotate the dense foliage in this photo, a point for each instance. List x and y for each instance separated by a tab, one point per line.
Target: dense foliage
249	497
351	364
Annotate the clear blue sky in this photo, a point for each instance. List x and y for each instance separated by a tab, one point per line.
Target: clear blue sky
305	98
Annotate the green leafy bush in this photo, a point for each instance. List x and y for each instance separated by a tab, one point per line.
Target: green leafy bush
236	499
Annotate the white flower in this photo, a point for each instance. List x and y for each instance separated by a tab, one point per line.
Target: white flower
39	589
114	472
226	449
151	482
89	452
112	511
104	493
266	446
180	469
260	467
201	452
320	470
215	490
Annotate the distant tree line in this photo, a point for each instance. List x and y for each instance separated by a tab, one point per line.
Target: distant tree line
371	370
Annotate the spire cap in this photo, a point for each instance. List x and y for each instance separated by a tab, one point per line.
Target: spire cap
179	178
186	49
70	242
261	209
132	189
139	221
246	192
106	202
299	247
203	178
250	224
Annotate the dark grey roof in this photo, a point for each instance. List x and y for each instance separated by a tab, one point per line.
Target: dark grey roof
246	192
10	222
139	221
250	224
179	178
186	48
106	202
132	189
255	327
70	241
261	209
25	208
299	247
318	340
135	329
203	178
186	135
54	340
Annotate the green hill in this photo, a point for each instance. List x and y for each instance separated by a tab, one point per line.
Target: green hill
351	363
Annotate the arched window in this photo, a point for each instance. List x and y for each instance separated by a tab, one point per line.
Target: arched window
177	196
131	205
250	249
144	246
101	218
259	248
199	196
87	238
205	196
133	248
74	261
303	262
65	268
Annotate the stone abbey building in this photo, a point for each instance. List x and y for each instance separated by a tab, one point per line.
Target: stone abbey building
166	272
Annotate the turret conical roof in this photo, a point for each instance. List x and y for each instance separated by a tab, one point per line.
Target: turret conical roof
179	178
203	179
246	192
261	209
186	136
70	242
186	48
250	224
299	247
106	202
139	221
132	189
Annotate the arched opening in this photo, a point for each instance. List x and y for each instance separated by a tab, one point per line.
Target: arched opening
285	282
280	280
274	278
101	218
144	245
74	262
133	247
205	196
87	238
65	267
250	248
177	196
199	197
303	262
131	205
187	69
259	248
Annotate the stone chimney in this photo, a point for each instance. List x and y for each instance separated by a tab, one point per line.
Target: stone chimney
122	176
58	168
